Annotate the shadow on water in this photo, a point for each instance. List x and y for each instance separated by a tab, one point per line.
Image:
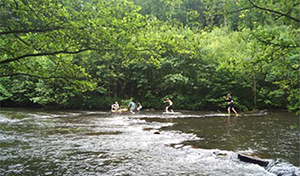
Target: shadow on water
188	143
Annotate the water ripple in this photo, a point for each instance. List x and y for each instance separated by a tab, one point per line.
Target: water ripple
97	143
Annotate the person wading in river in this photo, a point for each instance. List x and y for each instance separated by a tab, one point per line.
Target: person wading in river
230	105
170	107
131	107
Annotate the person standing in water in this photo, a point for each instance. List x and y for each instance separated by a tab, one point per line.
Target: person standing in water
170	106
131	107
230	105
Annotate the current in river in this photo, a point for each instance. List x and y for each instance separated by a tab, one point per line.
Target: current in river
39	142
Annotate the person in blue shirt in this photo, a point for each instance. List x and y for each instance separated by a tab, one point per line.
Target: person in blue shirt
230	104
131	107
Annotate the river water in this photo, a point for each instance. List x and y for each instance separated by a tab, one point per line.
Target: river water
35	142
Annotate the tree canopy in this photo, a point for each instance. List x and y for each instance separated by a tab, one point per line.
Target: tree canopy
88	54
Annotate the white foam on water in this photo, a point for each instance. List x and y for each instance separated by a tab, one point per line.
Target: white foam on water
4	119
148	153
283	169
137	148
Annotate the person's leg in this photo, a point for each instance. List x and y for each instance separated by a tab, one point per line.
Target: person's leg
171	108
228	110
167	108
132	110
234	111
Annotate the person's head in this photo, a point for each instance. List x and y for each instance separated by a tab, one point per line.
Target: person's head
228	95
116	102
167	99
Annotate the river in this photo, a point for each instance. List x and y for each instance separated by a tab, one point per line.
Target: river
39	142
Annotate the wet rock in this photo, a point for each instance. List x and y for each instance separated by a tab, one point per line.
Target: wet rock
217	153
222	154
147	129
249	159
157	132
264	112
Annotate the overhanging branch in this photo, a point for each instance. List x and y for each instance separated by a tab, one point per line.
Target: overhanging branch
30	30
273	11
44	54
42	77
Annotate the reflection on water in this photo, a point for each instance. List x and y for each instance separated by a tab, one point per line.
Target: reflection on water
98	143
269	136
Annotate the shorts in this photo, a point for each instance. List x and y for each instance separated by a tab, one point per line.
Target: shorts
230	106
170	107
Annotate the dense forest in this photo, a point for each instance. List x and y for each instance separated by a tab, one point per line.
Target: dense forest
86	54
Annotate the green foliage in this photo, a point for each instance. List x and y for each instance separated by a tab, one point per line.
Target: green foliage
89	54
4	92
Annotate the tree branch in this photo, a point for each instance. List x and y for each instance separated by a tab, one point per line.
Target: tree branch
33	11
294	5
41	77
43	54
23	41
273	11
6	51
30	30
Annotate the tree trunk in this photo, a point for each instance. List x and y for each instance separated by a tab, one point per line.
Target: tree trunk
254	91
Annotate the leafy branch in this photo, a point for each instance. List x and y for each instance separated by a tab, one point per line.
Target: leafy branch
44	54
42	77
273	11
30	30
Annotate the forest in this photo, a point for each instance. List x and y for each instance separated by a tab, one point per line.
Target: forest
87	54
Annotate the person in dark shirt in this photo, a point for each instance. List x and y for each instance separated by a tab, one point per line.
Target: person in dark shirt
230	105
139	106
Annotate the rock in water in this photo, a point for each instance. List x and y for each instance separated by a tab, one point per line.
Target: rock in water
253	160
157	132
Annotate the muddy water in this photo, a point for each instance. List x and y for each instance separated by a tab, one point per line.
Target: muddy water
98	143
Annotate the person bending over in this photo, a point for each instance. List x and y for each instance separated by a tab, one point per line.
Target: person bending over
170	106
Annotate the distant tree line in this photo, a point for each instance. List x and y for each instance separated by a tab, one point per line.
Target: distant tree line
87	54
